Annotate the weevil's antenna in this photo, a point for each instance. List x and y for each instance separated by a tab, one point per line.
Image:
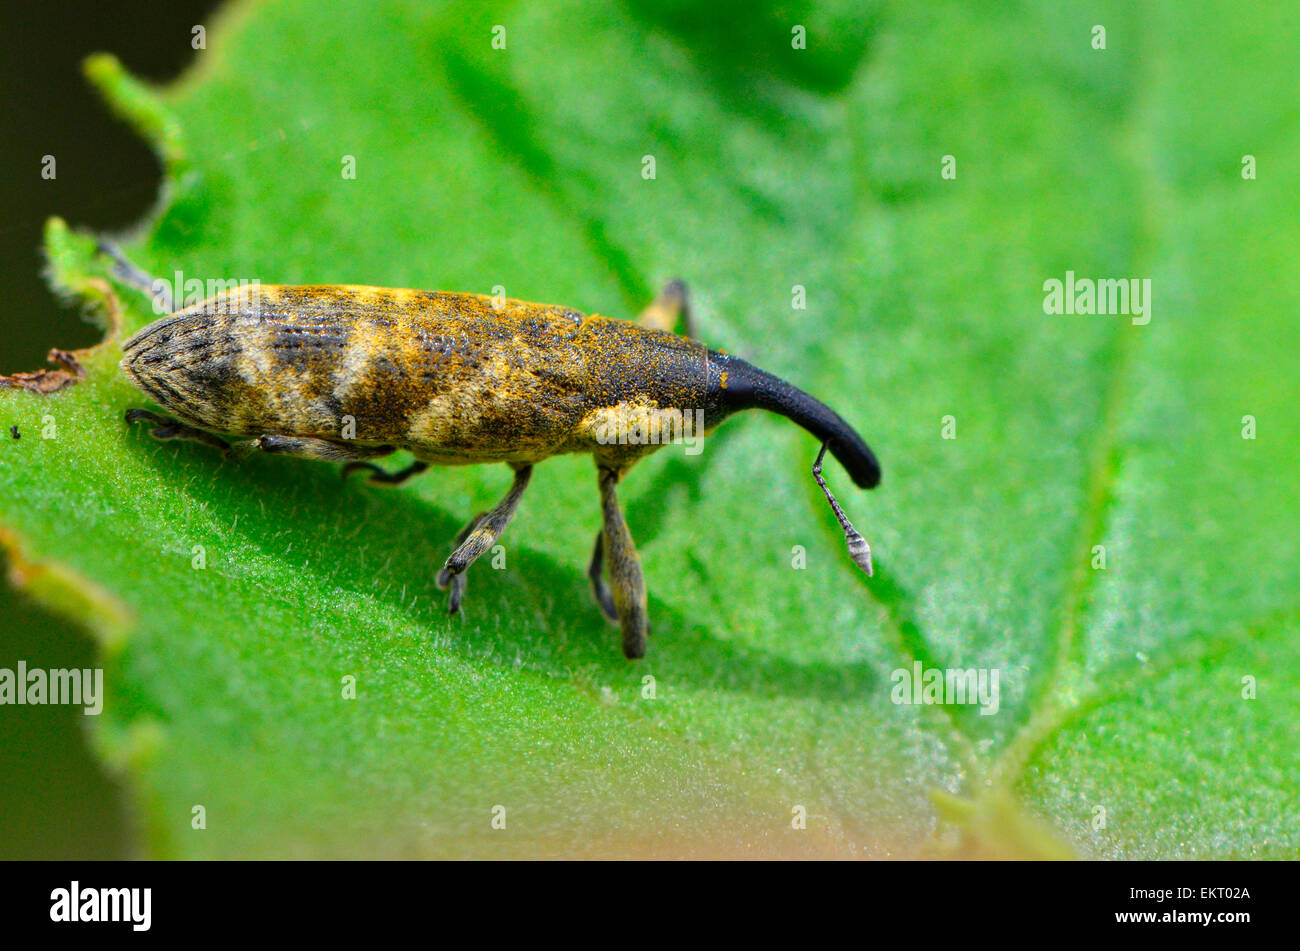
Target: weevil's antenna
859	550
128	273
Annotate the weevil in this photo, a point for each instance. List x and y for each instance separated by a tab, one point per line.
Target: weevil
352	373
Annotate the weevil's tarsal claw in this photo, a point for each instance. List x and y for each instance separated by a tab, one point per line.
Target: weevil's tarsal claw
478	537
445	579
454	584
859	550
487	528
457	593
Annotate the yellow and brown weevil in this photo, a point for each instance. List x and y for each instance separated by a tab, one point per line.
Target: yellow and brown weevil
353	373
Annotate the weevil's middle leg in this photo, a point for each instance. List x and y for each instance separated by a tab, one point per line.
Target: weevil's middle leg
328	449
627	581
483	533
380	476
672	303
168	428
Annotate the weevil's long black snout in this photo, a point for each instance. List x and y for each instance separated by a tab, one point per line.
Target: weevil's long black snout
745	386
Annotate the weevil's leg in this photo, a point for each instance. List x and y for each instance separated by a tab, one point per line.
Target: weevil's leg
166	428
457	583
627	581
673	302
128	273
380	476
486	530
310	448
859	550
596	572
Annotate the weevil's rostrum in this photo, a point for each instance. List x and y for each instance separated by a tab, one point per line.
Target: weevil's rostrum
353	373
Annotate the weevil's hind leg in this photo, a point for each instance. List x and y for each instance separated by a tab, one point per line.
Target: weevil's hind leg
627	581
380	476
596	572
672	303
327	449
130	274
483	534
167	428
457	583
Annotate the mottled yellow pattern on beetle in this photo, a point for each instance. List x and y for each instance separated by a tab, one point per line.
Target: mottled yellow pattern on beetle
350	373
453	378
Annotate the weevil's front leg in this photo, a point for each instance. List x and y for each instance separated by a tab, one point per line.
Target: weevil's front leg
328	449
167	428
627	581
672	303
596	572
380	476
483	534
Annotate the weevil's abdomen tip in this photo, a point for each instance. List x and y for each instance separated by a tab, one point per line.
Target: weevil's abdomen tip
183	362
128	366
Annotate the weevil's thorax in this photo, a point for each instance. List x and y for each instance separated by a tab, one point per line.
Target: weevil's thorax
648	388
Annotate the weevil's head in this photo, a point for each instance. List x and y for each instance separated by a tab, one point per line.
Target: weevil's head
736	385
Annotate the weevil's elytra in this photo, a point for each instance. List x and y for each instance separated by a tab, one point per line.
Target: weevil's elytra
458	379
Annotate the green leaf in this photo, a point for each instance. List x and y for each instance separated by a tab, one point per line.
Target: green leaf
1123	728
